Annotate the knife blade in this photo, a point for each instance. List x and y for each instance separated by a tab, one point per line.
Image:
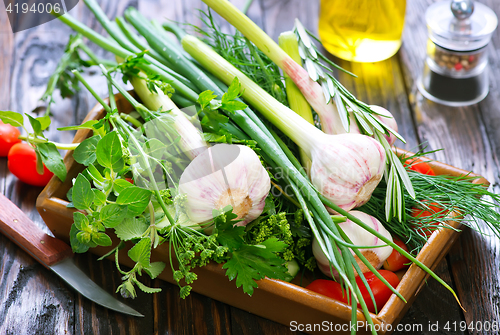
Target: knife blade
54	254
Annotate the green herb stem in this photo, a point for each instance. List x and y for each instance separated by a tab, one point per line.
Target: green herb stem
61	146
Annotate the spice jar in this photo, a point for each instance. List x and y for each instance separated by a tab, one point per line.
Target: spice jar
455	69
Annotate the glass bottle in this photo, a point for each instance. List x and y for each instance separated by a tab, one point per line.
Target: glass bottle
455	69
362	30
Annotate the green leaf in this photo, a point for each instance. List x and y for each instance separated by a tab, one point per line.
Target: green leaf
119	185
80	220
205	97
95	175
44	121
76	245
232	106
87	125
102	239
254	262
228	234
52	159
85	152
233	91
12	118
37	126
112	215
99	197
82	193
141	252
155	269
145	288
109	152
136	199
131	228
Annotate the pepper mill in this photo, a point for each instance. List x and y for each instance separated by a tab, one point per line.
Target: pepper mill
455	69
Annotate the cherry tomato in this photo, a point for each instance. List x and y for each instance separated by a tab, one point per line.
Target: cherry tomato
396	261
130	180
8	137
380	291
328	288
420	166
22	164
432	209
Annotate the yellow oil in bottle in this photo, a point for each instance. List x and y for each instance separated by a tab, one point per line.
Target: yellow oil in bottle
362	30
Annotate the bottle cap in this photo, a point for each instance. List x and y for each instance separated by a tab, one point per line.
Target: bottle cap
460	25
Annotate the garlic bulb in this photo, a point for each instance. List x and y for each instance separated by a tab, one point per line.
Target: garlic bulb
225	175
358	236
346	168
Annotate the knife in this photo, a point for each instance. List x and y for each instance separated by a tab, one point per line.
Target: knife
54	254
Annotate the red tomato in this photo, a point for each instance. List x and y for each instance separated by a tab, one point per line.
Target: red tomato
432	209
396	261
130	180
8	137
22	164
381	292
328	288
420	166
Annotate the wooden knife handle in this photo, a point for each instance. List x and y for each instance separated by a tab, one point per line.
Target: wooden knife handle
26	234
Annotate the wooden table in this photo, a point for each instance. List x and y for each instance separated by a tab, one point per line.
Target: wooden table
34	301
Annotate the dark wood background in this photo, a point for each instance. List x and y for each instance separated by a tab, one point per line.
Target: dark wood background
34	301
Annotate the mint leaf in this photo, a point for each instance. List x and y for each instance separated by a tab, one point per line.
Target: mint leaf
145	288
155	269
80	220
131	228
99	198
254	262
12	118
95	175
76	245
112	215
82	194
136	199
85	152
101	239
109	152
119	185
141	252
52	159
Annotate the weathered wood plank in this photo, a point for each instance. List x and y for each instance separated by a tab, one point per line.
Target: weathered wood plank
469	136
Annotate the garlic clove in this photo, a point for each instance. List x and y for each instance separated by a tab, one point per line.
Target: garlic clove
361	237
225	175
346	168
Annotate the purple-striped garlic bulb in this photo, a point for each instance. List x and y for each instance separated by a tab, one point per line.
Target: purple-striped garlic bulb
347	168
225	174
361	237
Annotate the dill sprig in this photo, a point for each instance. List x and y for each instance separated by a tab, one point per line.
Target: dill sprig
475	203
